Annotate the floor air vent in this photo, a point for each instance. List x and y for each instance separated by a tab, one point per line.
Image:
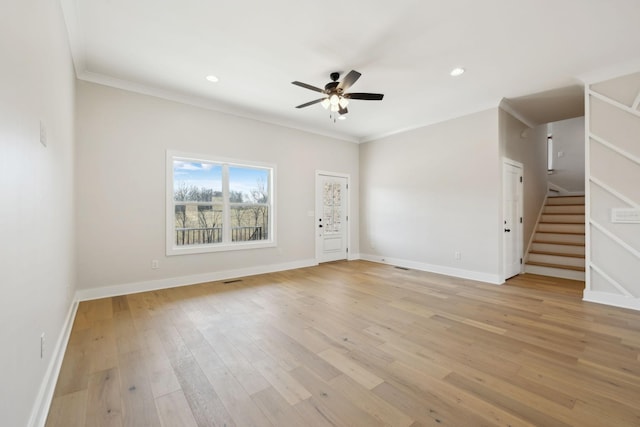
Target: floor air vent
402	268
232	281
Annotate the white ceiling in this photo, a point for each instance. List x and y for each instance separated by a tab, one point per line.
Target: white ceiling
403	48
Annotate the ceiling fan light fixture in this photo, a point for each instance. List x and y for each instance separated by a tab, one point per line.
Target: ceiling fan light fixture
336	96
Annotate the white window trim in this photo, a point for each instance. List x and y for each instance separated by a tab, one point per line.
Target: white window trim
172	249
550	153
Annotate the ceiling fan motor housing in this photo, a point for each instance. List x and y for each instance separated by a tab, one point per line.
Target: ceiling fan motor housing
331	86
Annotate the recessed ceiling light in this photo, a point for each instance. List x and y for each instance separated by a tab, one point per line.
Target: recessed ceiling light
457	72
212	78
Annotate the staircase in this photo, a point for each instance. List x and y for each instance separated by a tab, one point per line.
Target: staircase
557	248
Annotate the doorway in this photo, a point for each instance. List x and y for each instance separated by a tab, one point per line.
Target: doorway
332	216
512	208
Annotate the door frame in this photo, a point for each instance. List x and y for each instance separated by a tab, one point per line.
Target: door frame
318	211
520	225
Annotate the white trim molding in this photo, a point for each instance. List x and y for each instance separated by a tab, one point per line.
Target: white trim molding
608	298
612	281
172	282
506	106
40	409
479	276
614	103
619	294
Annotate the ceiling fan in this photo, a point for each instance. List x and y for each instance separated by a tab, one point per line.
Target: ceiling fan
336	98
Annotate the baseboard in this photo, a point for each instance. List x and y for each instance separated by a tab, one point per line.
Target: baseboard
172	282
494	279
612	299
41	406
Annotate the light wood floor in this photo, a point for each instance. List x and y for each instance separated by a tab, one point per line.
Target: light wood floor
352	344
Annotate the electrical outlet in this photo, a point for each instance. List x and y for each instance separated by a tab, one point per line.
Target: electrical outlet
457	255
155	264
42	347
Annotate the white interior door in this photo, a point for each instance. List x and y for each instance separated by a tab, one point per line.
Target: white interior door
512	215
331	217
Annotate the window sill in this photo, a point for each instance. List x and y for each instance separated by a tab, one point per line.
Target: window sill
201	249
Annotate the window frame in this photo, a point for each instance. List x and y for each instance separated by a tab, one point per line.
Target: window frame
227	244
550	154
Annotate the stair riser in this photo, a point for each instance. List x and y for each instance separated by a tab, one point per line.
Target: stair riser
561	228
555	272
564	249
554	259
565	200
560	238
564	209
579	219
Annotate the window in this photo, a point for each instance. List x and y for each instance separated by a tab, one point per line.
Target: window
549	154
218	205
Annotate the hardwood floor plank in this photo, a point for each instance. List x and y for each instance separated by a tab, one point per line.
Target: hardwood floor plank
162	377
279	412
427	411
138	405
456	398
352	343
236	363
104	407
329	400
288	387
370	403
206	406
534	410
232	395
174	410
68	410
352	369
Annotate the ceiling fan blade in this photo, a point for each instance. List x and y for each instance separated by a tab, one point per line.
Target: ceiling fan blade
306	86
365	96
349	80
310	103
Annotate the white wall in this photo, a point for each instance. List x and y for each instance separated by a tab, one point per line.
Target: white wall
613	171
430	192
528	146
568	156
37	275
122	138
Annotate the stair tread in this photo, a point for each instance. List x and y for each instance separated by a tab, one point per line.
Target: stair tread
563	213
561	223
576	233
551	242
550	265
557	254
